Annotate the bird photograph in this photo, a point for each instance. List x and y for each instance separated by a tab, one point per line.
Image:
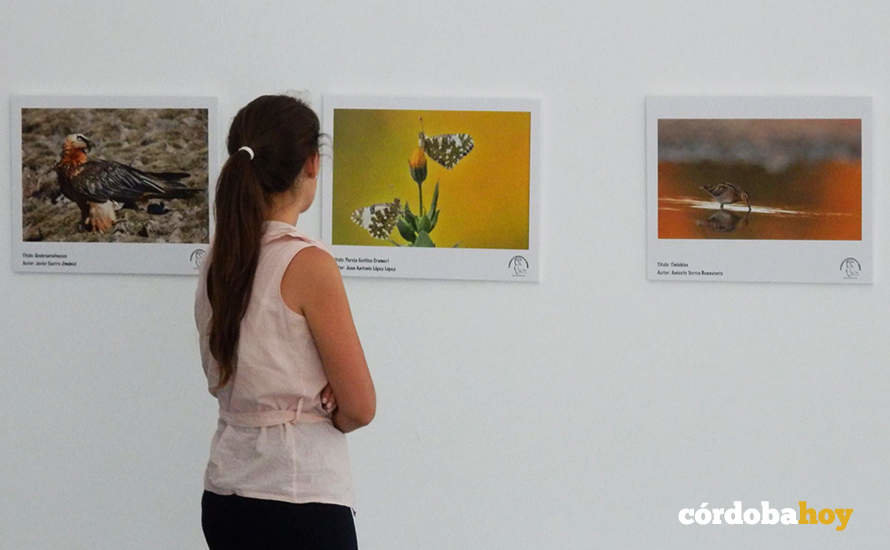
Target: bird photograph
115	175
782	179
727	193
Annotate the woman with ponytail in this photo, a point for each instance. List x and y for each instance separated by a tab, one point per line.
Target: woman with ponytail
278	346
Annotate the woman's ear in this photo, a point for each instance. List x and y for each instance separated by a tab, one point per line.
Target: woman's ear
310	167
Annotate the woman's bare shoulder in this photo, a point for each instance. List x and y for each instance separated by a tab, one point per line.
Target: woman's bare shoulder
311	272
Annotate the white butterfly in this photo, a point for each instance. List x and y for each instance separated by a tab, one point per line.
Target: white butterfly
378	219
446	149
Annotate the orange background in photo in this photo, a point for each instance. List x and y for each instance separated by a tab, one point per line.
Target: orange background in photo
831	191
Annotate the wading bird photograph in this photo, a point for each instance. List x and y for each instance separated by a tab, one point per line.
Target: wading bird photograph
783	179
134	175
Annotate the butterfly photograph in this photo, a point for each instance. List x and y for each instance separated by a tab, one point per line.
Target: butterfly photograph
387	164
410	174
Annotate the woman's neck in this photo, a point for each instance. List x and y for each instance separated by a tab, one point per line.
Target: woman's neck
287	206
286	217
287	213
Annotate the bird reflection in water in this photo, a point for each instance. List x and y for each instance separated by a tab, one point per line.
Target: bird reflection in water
724	221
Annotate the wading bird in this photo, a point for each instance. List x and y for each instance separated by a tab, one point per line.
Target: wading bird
94	184
727	193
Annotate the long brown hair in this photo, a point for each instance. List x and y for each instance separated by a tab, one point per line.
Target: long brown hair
283	133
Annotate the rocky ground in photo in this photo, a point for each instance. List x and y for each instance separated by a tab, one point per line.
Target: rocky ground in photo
153	140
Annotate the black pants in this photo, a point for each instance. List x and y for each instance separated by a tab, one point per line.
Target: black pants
234	522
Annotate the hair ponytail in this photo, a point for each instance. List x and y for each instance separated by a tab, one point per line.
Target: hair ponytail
282	134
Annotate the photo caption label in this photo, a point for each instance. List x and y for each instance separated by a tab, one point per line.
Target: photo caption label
682	269
355	264
39	259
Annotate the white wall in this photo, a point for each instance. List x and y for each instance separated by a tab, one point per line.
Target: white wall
582	412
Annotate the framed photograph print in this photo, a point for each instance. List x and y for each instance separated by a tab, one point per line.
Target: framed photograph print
774	189
111	184
433	188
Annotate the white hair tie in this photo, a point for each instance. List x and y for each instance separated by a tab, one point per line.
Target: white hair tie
248	149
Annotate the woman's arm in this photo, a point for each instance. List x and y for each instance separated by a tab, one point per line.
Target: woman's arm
313	287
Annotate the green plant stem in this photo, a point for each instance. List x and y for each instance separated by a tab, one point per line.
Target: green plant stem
420	188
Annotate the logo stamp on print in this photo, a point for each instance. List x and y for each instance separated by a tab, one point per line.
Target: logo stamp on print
519	265
197	257
851	268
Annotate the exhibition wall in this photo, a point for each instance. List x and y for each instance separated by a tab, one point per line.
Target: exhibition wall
585	410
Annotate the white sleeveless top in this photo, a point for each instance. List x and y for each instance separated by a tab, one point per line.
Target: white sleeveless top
273	438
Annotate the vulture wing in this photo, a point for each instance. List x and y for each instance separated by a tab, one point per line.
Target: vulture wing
102	180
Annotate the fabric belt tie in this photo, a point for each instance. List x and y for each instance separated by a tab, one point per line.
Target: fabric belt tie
259	419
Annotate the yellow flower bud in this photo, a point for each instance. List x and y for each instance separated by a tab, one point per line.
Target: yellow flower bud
417	164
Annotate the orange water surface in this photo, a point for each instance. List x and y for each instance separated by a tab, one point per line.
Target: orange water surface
807	201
